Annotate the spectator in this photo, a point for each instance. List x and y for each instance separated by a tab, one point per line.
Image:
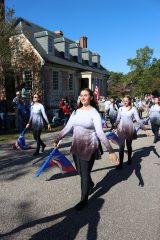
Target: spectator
101	106
113	112
17	105
107	103
23	91
139	105
24	112
66	111
61	104
3	112
16	100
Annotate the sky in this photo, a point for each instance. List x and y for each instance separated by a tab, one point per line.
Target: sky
115	28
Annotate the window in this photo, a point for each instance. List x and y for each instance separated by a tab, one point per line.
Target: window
55	81
70	81
28	80
50	45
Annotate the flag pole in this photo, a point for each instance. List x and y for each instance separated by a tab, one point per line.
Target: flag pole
48	160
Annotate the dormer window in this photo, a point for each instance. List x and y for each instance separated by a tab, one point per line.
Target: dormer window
96	60
87	56
75	52
46	41
62	47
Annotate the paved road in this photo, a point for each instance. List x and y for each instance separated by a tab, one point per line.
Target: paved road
124	206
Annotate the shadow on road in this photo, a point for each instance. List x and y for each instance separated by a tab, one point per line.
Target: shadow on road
17	163
69	227
115	176
73	221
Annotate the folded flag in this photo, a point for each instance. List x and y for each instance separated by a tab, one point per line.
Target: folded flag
20	143
144	122
56	158
112	137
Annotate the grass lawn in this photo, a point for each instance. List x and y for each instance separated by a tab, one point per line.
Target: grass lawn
7	137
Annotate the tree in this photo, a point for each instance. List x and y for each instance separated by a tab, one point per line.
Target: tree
145	72
16	56
113	82
6	48
142	61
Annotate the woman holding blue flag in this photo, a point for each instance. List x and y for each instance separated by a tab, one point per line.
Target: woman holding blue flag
87	130
36	121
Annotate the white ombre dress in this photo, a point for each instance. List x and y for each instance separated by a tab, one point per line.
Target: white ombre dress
87	129
125	123
154	114
38	116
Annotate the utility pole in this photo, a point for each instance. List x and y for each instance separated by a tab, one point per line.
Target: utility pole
2	10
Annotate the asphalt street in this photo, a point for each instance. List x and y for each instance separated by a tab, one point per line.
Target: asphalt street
125	204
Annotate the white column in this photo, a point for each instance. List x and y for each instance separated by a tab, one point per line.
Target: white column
90	81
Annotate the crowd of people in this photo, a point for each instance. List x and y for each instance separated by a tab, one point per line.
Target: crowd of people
85	121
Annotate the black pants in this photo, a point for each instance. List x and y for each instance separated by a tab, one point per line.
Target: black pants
37	137
121	151
155	130
140	113
84	170
112	121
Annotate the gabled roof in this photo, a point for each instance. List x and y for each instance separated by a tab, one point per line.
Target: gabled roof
29	29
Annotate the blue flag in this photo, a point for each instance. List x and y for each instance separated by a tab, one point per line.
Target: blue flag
112	137
20	143
56	158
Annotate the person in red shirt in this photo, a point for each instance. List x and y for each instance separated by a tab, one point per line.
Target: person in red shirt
61	104
66	111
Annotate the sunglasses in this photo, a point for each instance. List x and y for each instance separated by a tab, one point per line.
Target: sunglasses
35	97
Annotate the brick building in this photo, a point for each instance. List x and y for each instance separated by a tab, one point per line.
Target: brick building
66	66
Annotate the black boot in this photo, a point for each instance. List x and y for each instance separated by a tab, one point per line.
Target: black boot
35	153
82	204
129	147
43	147
155	137
121	156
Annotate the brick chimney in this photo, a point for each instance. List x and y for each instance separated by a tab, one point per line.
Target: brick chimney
83	42
59	32
2	10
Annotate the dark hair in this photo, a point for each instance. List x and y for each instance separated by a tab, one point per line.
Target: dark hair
92	102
